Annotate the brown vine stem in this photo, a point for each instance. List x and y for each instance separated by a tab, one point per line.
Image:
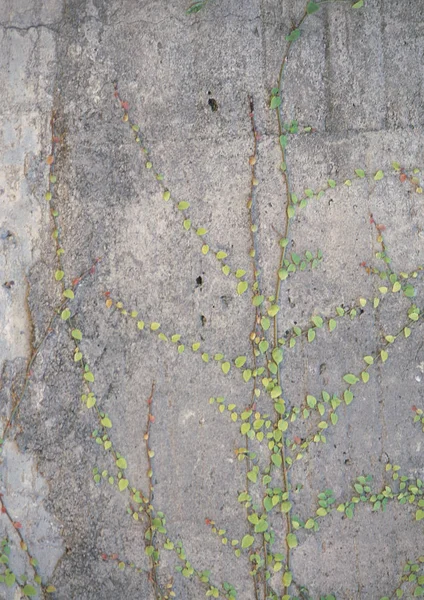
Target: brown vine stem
278	285
252	161
150	420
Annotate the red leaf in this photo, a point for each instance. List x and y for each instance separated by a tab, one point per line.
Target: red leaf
297	439
17	525
3	509
414	408
50	159
380	227
104	556
152	419
125	105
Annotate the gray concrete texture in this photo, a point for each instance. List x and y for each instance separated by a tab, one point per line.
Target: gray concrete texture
357	78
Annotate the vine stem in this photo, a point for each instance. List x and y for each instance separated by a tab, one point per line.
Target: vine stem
150	420
278	284
250	207
24	545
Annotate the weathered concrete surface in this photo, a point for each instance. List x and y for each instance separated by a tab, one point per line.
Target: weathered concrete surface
357	78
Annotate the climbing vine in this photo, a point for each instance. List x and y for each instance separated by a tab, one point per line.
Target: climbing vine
270	423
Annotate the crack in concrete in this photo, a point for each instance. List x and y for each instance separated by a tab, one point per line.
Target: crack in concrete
50	27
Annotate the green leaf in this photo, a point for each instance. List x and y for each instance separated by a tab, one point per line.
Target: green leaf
369	360
293	36
317	321
201	231
29	590
263	346
291	540
311	401
358	4
121	463
384	355
286	507
59	275
239	362
166	195
266	323
183	205
123	484
350	379
257	300
311	335
9	579
195	7
379	175
91	401
280	407
245	428
65	314
76	334
69	294
242	287
277	355
283	141
273	310
332	183
276	459
360	173
261	526
409	291
419	515
247	374
332	324
247	541
106	422
88	376
187	224
334	418
225	367
275	102
312	7
348	397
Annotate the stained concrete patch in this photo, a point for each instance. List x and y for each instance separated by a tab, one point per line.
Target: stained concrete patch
24	490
